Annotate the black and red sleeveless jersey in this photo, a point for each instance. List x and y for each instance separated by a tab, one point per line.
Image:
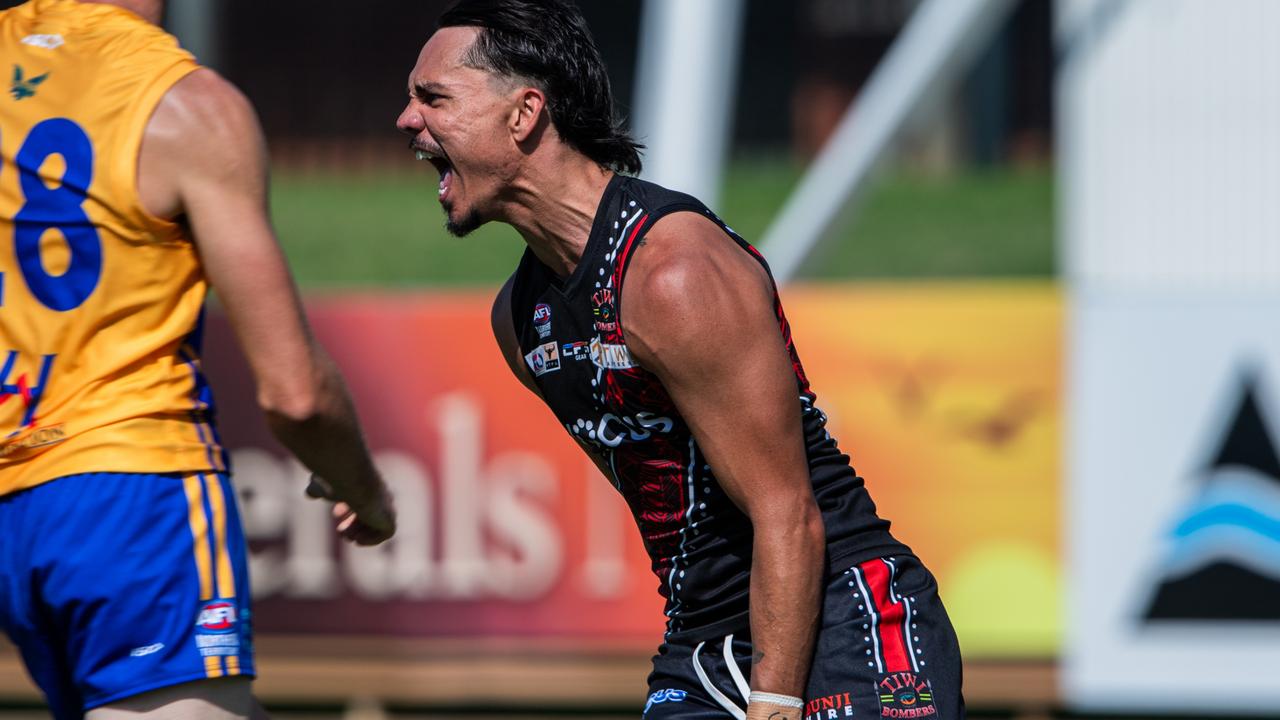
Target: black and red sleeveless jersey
571	333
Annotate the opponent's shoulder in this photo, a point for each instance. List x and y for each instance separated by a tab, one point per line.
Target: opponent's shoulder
202	135
203	101
204	117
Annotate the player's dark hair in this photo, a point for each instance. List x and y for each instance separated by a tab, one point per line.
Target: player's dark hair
547	42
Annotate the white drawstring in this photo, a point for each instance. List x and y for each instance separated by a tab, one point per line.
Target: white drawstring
737	712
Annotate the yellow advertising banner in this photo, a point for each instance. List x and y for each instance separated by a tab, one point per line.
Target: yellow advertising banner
948	399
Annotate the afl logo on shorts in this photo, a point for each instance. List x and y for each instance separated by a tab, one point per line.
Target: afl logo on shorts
542	319
217	617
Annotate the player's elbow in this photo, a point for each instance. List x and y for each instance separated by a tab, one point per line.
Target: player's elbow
797	524
812	527
309	390
294	404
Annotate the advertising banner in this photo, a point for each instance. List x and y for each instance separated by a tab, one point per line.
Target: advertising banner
946	397
1175	506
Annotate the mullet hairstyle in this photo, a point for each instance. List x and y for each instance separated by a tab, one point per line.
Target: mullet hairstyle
547	43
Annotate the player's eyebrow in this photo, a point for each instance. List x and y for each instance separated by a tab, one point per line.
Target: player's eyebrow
422	89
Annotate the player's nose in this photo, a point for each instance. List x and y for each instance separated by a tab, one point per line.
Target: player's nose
410	121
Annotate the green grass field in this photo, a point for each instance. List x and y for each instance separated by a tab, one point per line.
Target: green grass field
368	231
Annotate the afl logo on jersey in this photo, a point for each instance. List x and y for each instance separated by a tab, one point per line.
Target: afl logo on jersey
217	617
542	319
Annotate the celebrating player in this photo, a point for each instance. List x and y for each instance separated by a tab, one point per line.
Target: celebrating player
122	560
656	336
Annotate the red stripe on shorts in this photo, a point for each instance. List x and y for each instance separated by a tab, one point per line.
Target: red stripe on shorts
892	615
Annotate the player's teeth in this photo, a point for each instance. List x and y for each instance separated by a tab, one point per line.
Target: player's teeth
422	155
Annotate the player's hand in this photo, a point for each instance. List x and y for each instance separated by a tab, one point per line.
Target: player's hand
369	520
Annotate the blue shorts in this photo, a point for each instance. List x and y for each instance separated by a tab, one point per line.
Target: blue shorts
115	584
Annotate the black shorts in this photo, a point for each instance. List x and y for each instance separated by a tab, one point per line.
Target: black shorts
885	648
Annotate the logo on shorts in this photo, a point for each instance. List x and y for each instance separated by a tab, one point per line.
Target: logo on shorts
146	650
830	707
606	316
217	628
542	320
905	695
218	616
664	696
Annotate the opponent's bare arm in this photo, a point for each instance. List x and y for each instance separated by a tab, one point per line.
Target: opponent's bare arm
203	159
699	313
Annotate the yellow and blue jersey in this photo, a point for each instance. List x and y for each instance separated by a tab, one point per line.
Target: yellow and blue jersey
100	302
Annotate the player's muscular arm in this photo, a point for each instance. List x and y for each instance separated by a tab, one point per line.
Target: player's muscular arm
698	312
203	158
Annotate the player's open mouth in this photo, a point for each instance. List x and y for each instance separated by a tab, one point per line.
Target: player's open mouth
443	165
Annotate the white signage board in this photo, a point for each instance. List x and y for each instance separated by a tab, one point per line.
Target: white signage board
1174	507
1169	212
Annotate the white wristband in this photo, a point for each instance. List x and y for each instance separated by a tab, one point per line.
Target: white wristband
775	699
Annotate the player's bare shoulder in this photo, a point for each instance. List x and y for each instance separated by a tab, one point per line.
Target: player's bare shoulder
504	332
203	129
688	276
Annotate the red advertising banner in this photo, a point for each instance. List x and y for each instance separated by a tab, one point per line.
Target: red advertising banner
946	397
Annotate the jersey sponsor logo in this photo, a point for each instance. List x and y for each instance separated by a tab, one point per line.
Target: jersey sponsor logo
603	310
46	41
612	430
906	695
665	696
218	616
580	350
542	320
829	707
22	86
611	357
543	359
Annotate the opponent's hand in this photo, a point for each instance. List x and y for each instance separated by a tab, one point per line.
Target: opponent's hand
369	520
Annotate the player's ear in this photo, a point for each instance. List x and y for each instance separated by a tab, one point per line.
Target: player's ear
526	115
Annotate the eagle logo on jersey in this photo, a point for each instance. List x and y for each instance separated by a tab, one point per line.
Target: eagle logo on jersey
22	87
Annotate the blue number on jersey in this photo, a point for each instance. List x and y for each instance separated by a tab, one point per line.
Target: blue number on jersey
60	207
